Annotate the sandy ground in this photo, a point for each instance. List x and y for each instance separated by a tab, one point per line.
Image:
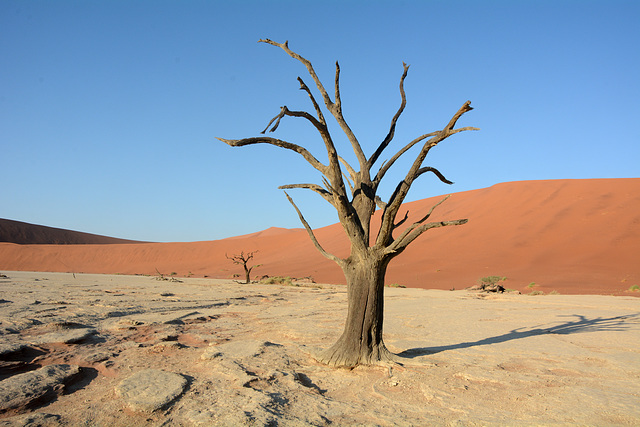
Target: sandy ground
244	354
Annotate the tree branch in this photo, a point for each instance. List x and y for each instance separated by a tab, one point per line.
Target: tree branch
352	172
400	245
392	129
276	119
242	258
285	46
389	214
321	127
338	100
349	183
304	87
417	223
334	108
386	165
312	235
435	171
327	195
278	143
402	221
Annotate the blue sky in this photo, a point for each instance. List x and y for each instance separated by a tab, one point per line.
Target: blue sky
109	109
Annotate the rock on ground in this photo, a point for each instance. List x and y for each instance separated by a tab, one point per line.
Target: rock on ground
67	337
151	389
23	390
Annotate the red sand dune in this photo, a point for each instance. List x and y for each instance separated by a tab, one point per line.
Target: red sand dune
30	234
572	236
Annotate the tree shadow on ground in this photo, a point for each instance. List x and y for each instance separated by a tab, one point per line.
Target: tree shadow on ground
580	325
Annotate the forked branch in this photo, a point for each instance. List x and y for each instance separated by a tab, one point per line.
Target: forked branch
335	108
418	227
389	214
400	245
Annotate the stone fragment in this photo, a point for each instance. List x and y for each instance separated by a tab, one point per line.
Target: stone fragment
24	390
210	353
100	356
67	336
10	349
151	389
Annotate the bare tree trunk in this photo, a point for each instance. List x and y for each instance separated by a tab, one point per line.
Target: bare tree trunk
247	273
361	342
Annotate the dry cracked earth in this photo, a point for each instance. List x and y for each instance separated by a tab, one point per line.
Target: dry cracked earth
100	350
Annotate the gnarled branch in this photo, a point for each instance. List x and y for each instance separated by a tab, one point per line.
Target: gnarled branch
436	173
389	214
400	245
374	157
334	108
279	143
379	202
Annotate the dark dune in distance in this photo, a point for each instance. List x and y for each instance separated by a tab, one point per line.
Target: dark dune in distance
569	236
31	234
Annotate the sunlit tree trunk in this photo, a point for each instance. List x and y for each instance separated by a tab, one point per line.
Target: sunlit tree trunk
361	341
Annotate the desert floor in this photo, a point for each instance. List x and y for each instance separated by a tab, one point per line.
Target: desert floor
112	350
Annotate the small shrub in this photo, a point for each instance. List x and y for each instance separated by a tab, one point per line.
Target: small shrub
634	288
536	293
395	285
162	277
491	280
554	292
277	280
531	285
489	284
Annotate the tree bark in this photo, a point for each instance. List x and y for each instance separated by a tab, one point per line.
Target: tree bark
361	342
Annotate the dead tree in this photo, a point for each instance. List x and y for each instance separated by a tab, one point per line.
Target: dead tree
366	266
244	259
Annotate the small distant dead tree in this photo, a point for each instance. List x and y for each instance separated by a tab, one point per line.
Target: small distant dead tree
243	259
366	266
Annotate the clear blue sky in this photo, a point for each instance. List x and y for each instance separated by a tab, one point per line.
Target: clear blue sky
109	109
